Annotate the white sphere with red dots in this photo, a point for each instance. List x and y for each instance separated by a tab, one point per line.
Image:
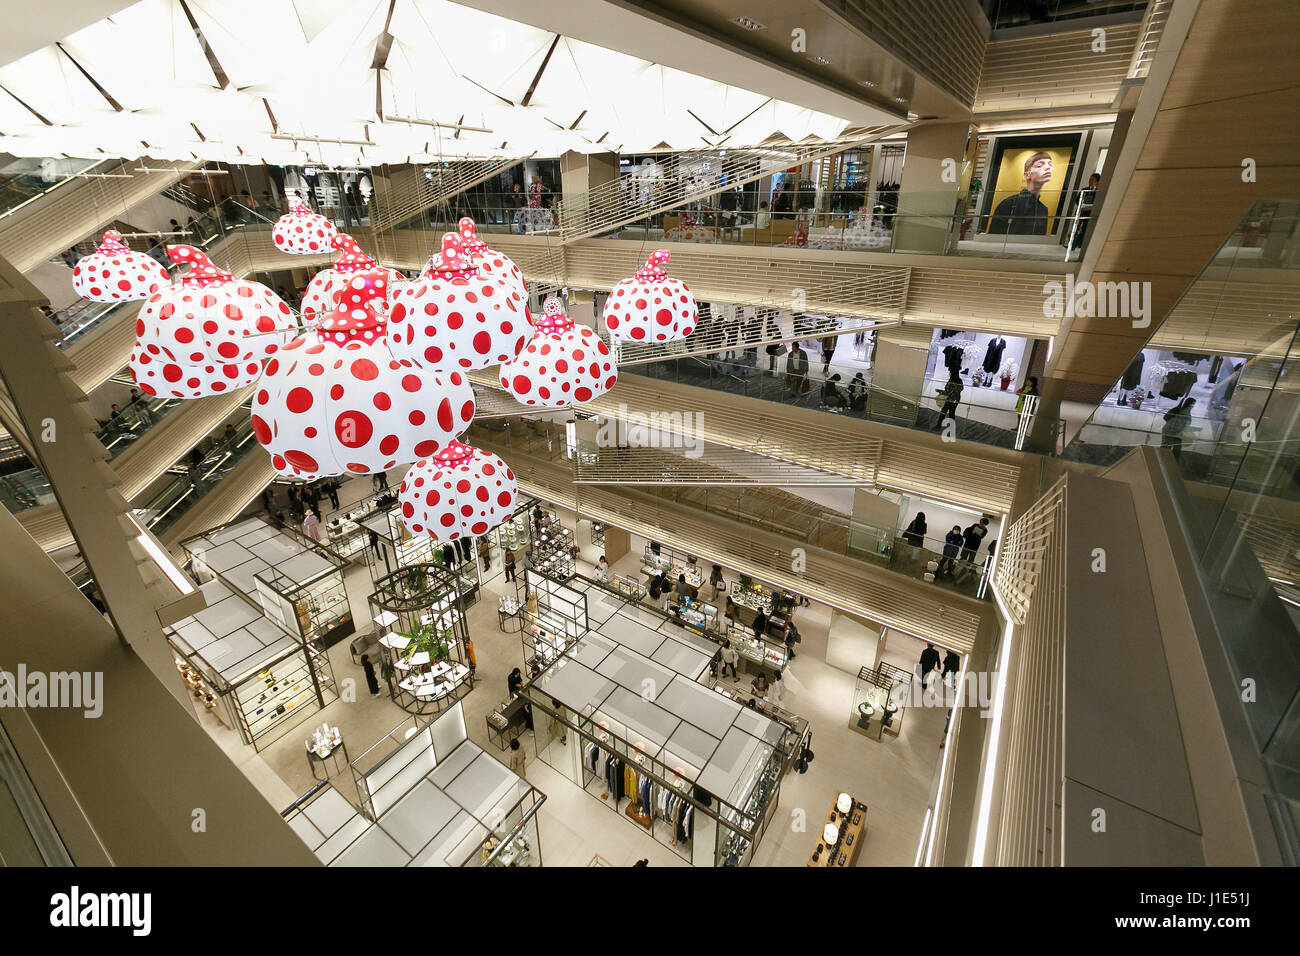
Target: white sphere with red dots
457	492
113	273
331	407
301	232
650	306
207	334
456	317
494	264
562	365
318	300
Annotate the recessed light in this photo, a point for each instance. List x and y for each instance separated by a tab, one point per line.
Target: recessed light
822	60
866	82
899	99
747	23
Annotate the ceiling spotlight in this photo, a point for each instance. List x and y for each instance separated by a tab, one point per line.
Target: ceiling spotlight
900	99
747	23
867	82
822	60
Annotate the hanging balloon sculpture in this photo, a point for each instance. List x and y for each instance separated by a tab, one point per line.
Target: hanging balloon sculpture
337	401
490	262
650	307
207	334
301	232
454	316
459	491
318	300
562	365
113	273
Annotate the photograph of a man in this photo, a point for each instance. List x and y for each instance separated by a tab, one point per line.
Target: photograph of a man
1024	213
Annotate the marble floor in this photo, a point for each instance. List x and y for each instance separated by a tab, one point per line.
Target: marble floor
893	777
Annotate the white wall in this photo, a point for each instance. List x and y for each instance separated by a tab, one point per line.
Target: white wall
940	517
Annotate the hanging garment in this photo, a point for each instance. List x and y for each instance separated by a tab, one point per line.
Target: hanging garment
993	354
1178	384
953	357
1133	374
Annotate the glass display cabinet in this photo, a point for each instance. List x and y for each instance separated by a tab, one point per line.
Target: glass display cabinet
878	699
419	615
757	653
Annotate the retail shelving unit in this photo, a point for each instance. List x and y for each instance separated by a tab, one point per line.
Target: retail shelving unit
758	653
633	712
673	564
429	796
553	618
419	615
265	679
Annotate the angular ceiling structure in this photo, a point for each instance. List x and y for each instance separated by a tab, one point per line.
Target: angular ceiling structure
361	82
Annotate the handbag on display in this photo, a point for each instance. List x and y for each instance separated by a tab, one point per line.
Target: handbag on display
776	348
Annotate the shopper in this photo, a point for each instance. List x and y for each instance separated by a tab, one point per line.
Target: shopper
796	371
729	659
929	661
372	684
776	691
915	533
791	639
683	588
730	611
311	527
858	394
949	399
759	686
374	542
1029	388
602	570
972	537
514	680
952	543
714	662
951	665
556	724
1177	420
832	397
716	581
760	622
828	352
517	758
510	565
332	486
485	553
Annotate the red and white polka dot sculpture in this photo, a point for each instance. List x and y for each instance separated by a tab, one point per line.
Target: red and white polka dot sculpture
318	300
562	365
301	232
459	491
489	261
326	408
455	316
113	273
208	334
650	307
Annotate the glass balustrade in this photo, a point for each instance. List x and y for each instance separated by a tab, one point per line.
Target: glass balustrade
23	180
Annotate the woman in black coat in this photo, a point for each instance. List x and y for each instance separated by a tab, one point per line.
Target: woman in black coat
915	533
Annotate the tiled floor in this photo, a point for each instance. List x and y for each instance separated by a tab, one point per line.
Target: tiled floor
893	777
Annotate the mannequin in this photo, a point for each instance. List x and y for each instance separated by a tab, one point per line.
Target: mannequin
1131	379
993	357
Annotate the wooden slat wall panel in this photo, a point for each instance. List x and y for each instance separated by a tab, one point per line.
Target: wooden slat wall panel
1231	318
854	586
1055	70
1010	302
1031	581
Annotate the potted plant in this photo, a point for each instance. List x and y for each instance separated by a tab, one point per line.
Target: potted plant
428	638
1008	372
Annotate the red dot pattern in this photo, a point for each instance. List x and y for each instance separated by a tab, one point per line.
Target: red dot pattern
301	232
326	409
491	264
120	277
651	311
458	323
557	370
318	301
192	342
469	497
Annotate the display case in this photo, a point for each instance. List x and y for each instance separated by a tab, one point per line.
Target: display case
419	615
554	616
752	595
878	699
553	552
281	694
317	608
672	563
758	653
627	587
695	615
598	534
